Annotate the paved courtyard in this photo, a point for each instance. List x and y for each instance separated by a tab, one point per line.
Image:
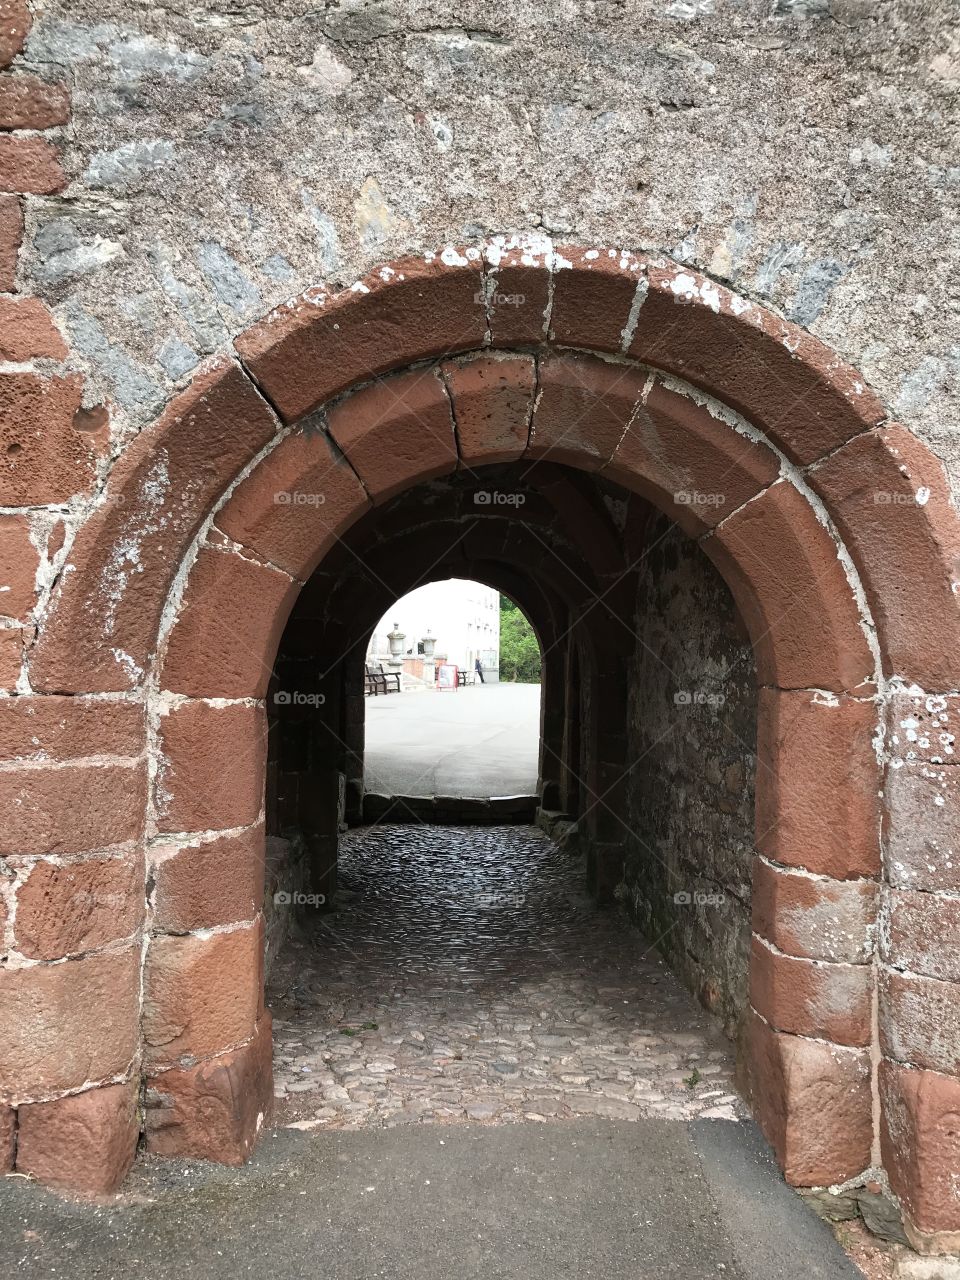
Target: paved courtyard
466	977
478	741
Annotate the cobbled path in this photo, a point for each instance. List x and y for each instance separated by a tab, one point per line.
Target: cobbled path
466	977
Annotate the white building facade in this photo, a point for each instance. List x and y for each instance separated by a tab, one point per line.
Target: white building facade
462	616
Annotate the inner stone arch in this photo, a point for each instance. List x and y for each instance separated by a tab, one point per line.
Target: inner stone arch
594	441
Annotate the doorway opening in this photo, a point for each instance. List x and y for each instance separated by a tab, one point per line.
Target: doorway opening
452	960
452	705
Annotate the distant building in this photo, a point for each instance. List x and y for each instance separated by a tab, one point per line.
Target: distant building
462	616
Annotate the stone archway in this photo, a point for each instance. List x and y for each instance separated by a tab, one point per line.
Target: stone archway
836	537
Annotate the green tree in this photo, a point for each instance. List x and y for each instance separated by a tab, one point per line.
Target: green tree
519	650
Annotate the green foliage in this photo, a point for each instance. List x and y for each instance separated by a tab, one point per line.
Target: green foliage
519	650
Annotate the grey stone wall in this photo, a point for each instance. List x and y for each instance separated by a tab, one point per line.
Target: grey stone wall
692	756
226	154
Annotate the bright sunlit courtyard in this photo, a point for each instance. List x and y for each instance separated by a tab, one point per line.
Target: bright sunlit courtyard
480	740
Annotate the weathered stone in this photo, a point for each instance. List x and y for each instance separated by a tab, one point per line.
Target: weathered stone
778	560
397	431
15	22
921	932
106	613
582	410
11	657
8	1138
27	102
27	331
64	909
920	1143
812	916
219	646
814	1105
85	1141
315	347
72	808
787	382
812	998
920	1020
891	501
687	461
44	458
11	231
881	1217
206	883
834	1206
817	783
295	505
61	729
217	1109
921	826
65	1025
517	290
211	776
201	994
19	561
30	165
492	406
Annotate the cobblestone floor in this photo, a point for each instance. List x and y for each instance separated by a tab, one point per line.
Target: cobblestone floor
466	977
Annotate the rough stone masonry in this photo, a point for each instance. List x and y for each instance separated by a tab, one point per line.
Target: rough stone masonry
691	262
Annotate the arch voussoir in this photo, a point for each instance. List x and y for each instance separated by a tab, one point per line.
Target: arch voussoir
787	383
694	466
492	399
784	571
217	645
397	430
583	408
891	502
322	343
290	510
105	614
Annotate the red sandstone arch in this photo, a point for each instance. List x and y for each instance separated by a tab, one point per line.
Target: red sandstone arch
571	373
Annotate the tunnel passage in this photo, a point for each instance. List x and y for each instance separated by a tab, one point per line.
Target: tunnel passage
591	565
179	581
611	587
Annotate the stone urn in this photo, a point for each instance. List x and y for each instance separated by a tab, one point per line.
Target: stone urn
395	639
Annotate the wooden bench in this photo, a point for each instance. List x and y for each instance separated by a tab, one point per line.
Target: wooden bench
371	683
377	681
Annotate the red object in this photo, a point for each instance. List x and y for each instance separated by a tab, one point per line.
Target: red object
448	677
